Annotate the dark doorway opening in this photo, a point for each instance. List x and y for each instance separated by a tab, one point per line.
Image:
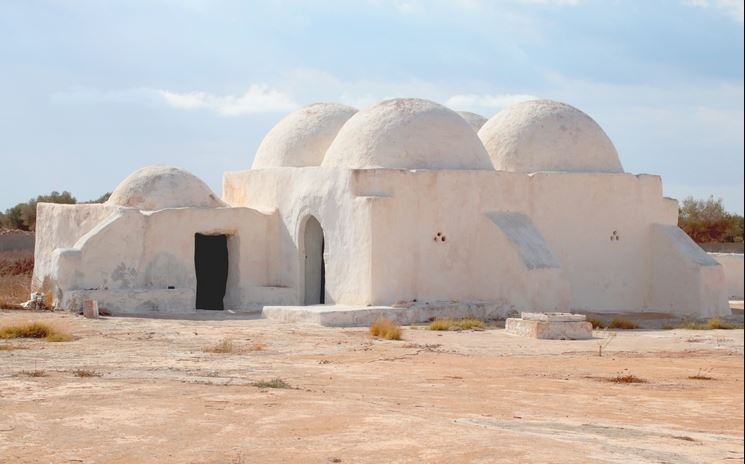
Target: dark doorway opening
211	266
315	268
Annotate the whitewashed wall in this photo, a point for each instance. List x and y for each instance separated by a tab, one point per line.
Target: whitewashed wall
382	224
129	260
733	265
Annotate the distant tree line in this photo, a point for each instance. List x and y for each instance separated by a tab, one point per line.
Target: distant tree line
706	221
23	215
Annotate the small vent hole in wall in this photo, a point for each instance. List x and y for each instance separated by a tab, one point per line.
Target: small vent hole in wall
615	236
439	237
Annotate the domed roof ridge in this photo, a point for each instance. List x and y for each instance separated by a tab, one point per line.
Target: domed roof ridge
407	133
302	137
474	119
158	187
546	135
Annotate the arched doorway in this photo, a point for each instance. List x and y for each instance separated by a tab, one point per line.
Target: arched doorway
315	268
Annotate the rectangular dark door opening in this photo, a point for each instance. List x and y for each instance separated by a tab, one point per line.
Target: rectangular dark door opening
211	266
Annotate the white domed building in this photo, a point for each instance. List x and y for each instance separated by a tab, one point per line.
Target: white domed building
405	208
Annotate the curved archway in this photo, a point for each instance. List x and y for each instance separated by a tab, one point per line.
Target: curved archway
314	266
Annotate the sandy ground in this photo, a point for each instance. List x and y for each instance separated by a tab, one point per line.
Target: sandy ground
475	396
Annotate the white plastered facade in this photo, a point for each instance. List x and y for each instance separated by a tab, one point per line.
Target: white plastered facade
411	209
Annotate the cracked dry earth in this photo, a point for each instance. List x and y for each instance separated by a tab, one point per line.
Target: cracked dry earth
154	394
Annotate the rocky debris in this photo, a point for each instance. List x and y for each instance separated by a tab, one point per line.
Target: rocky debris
15	232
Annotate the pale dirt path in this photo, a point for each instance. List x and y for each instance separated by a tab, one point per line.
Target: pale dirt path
434	397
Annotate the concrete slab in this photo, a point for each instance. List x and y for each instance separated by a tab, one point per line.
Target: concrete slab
554	317
361	316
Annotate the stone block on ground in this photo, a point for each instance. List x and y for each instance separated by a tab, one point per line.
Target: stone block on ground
549	329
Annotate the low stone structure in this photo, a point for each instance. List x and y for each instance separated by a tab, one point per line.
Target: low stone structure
360	316
550	326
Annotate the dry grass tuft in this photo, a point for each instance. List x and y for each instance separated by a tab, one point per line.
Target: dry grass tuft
224	346
441	324
16	268
701	375
16	263
385	328
620	323
256	346
596	323
468	323
36	373
14	290
86	373
59	337
713	324
6	347
30	330
626	378
35	330
273	383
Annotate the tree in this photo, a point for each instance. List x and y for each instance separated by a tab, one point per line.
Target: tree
706	221
23	215
12	217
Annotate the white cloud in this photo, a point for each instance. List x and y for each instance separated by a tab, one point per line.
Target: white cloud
187	101
735	9
257	99
406	7
318	85
478	102
362	93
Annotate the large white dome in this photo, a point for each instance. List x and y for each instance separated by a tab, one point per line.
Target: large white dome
302	137
544	135
407	133
158	187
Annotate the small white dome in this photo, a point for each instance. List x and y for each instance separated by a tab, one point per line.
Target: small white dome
302	137
407	133
544	135
475	120
158	187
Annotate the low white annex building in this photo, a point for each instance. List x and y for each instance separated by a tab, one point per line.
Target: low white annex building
406	201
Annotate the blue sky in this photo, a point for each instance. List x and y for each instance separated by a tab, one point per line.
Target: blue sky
94	89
